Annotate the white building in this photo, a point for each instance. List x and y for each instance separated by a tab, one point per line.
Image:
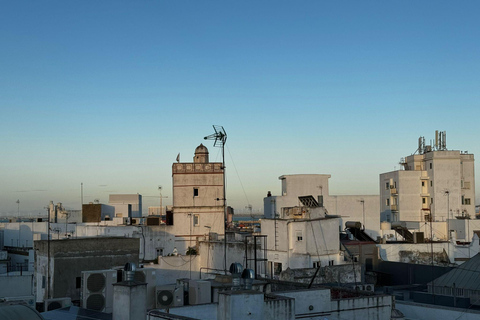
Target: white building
361	208
126	205
303	224
435	184
198	198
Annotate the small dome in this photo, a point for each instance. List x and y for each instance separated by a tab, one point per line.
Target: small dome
201	149
201	154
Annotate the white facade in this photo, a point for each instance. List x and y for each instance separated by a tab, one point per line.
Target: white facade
121	202
361	208
301	243
436	184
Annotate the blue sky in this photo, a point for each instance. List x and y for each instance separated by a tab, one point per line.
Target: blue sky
109	92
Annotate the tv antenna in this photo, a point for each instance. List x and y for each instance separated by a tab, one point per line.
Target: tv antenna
220	137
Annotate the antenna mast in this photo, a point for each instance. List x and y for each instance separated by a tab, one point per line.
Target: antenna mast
220	137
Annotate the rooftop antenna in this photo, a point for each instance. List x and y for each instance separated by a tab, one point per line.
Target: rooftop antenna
220	137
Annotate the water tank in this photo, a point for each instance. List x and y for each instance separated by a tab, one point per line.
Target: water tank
385	226
353	224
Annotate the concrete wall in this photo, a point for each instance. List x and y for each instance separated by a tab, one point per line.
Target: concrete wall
353	207
365	308
208	261
345	273
233	305
68	258
153	239
16	285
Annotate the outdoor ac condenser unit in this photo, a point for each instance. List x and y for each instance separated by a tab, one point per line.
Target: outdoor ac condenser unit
53	304
97	290
200	292
169	296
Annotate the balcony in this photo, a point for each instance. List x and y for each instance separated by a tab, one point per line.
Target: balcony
393	191
394	207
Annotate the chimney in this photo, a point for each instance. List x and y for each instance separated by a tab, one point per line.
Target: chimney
129	296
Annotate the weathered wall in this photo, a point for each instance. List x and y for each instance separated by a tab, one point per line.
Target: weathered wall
16	286
68	258
330	274
362	308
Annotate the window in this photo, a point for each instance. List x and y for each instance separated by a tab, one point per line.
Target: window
196	220
467	201
387	185
424	200
431	200
388	202
431	183
195	192
78	282
430	165
317	264
423	183
299	235
277	268
463	199
43	282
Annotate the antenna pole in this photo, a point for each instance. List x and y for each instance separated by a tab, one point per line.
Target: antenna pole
220	137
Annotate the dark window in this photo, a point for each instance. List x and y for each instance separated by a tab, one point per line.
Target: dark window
195	192
78	282
430	165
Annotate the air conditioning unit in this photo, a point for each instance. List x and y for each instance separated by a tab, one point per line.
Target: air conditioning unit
148	275
53	304
358	287
97	290
169	296
199	292
369	287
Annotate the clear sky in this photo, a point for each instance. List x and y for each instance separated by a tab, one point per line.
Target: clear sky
109	92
